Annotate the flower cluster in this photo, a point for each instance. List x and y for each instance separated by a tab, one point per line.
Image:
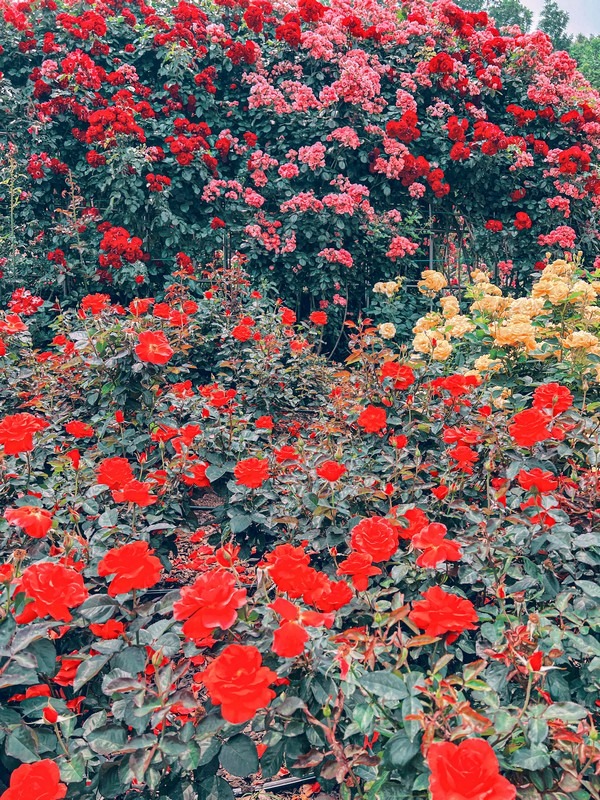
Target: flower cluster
388	544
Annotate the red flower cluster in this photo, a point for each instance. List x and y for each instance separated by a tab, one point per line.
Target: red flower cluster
119	246
405	129
238	682
442	613
372	419
289	568
211	602
53	590
522	221
157	183
252	472
17	430
37	781
35	521
133	567
153	347
376	537
436	549
468	771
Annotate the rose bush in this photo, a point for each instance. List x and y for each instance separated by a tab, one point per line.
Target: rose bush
397	593
322	139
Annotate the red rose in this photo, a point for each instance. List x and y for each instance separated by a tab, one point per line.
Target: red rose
140	305
242	333
252	472
372	419
522	221
195	474
114	472
67	672
375	536
311	10
402	375
265	423
467	771
529	427
133	567
36	522
441	612
53	588
136	492
212	601
288	317
494	225
50	715
16	432
360	568
238	682
288	567
440	492
327	595
436	548
318	318
289	640
254	19
37	781
153	347
289	32
108	630
537	479
331	471
96	303
554	397
80	430
417	519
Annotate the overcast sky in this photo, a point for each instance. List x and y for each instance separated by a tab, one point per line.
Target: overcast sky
584	14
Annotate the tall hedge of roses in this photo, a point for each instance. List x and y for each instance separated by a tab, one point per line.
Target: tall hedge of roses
398	594
316	136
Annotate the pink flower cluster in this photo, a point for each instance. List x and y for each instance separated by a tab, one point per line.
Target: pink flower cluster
334	256
400	247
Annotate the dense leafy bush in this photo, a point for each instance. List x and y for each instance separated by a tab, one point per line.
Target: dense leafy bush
318	138
397	594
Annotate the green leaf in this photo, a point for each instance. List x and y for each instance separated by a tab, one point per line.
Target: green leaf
44	653
98	608
73	771
590	588
131	660
238	756
215	788
240	522
412	705
107	740
532	759
109	518
110	784
386	685
400	750
22	744
87	670
28	634
213	473
569	712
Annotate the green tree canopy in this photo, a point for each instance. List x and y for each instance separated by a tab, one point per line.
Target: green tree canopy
554	21
505	12
586	51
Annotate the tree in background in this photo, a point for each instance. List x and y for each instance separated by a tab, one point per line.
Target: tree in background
586	51
504	12
554	21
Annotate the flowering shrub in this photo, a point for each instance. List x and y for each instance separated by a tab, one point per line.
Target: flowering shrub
397	593
320	138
